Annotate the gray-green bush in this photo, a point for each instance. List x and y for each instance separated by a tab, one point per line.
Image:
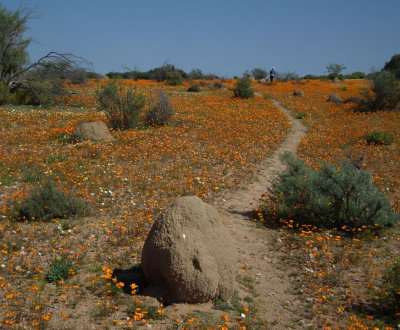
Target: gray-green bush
328	198
160	110
122	106
46	203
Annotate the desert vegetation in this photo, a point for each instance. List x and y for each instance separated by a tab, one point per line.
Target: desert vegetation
212	142
74	213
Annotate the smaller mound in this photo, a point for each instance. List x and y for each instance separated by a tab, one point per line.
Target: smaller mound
95	130
335	98
188	253
298	92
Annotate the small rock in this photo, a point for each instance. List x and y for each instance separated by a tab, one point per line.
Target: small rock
298	92
95	130
335	98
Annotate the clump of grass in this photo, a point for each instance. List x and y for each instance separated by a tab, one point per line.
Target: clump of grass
60	270
222	304
301	115
46	203
75	138
378	138
33	176
267	96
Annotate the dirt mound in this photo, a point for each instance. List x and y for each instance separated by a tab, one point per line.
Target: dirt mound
188	252
335	98
95	130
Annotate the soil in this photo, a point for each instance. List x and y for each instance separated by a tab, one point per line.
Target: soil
259	256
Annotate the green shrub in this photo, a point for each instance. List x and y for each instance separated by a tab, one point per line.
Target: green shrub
160	110
174	78
384	93
34	93
47	203
60	269
4	94
194	88
328	198
121	106
243	88
377	137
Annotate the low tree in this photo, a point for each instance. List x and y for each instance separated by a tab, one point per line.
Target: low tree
334	70
258	73
288	76
196	74
17	72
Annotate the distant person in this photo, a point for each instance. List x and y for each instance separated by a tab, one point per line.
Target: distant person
272	75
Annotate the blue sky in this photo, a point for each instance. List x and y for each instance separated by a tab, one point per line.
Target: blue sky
225	37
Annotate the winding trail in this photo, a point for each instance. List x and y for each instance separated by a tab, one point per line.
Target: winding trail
259	255
243	200
260	248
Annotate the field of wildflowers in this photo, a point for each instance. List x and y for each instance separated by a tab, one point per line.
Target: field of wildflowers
213	143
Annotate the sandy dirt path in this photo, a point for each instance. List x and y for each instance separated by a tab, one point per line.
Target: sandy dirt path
260	248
